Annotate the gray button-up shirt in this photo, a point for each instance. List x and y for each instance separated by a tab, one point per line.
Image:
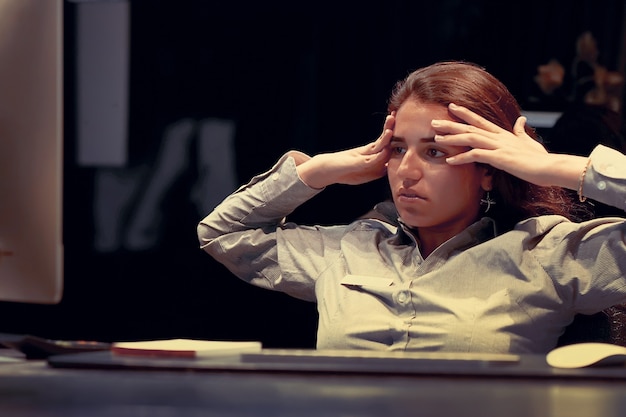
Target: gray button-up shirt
477	292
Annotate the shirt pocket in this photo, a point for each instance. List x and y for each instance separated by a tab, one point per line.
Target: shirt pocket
366	281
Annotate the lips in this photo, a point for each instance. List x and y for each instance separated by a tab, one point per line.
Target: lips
410	195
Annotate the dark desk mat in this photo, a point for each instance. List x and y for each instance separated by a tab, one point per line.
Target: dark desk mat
301	361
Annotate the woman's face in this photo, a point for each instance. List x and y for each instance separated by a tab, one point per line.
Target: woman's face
428	193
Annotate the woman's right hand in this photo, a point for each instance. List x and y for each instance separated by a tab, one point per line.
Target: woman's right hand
352	166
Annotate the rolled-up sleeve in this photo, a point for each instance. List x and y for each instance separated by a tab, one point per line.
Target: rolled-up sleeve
241	231
605	179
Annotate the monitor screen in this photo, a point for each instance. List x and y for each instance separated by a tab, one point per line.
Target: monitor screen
31	151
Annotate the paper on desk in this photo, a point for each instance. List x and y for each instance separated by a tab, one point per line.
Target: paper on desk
184	348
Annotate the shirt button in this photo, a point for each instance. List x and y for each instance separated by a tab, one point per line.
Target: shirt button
275	176
601	185
403	297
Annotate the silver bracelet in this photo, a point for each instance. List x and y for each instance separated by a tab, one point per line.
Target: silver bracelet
581	197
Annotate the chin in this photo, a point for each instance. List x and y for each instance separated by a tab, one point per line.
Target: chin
412	221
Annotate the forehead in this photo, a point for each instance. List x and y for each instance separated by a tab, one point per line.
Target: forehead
411	109
413	119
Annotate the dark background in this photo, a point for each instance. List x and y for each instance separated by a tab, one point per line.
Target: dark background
313	76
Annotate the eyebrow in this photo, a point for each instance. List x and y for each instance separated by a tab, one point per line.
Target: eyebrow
421	140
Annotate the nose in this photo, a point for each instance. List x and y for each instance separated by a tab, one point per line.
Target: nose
411	166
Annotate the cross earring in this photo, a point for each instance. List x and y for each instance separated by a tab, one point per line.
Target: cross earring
487	201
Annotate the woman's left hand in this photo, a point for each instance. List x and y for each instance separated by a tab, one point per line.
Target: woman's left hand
514	152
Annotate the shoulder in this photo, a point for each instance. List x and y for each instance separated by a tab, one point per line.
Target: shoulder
373	225
550	232
542	224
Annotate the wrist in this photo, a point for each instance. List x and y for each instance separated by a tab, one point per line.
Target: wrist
569	170
313	173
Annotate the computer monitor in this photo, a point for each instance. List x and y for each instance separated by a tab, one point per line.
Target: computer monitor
31	151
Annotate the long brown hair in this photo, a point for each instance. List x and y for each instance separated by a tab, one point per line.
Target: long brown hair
469	85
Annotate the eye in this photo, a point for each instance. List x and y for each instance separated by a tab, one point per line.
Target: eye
398	147
435	153
398	150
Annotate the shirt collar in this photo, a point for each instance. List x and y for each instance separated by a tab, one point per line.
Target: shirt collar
479	232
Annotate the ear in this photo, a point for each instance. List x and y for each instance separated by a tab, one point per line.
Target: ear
486	182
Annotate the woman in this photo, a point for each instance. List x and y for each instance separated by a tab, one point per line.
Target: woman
482	257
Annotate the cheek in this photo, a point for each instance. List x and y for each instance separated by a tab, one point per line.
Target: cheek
392	167
460	181
470	182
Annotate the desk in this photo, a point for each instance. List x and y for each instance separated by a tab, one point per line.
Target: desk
34	388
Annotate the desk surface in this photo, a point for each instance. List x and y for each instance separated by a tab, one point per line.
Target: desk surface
29	388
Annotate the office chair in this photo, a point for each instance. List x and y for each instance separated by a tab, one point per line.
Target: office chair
608	326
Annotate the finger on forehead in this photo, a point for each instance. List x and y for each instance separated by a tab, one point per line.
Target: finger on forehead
467	140
472	118
448	126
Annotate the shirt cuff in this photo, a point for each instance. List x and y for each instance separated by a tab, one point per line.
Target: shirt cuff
605	180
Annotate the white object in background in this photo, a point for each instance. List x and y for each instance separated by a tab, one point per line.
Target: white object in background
543	119
102	45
